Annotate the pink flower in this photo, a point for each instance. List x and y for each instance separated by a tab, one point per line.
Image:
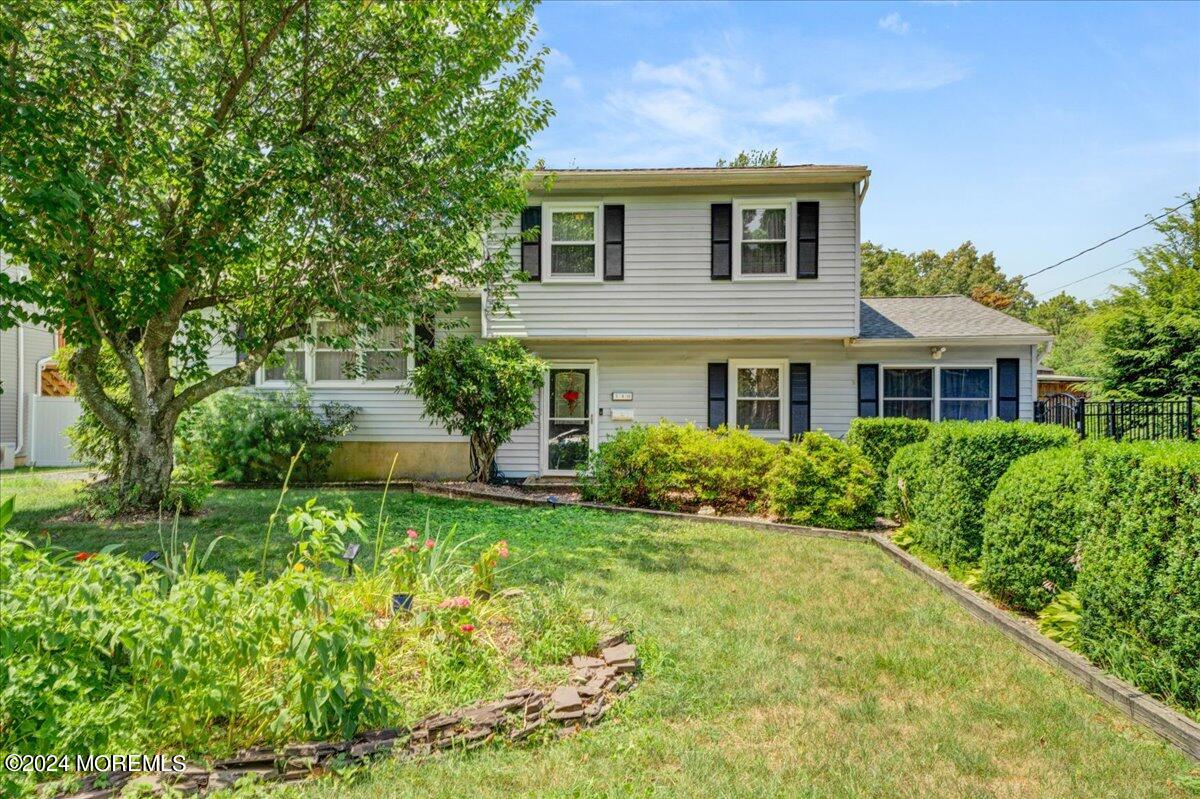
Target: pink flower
456	602
429	543
412	533
503	549
467	628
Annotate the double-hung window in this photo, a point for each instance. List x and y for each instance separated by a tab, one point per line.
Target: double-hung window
764	239
288	364
337	355
908	393
571	241
757	390
965	393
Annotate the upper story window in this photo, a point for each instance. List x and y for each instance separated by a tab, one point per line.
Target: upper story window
383	359
757	391
764	241
571	242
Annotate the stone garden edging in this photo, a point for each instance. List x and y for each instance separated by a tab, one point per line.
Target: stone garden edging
592	687
1169	724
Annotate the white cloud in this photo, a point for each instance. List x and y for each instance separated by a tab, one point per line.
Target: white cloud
573	83
892	22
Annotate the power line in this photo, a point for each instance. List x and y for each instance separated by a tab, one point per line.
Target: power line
1085	277
1114	238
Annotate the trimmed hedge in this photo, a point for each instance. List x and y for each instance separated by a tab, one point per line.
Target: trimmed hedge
822	482
1032	523
667	466
880	439
906	478
965	461
1139	578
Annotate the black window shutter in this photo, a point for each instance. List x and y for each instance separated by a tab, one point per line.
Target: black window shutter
718	393
722	241
800	394
614	242
1008	391
425	340
531	248
807	223
868	389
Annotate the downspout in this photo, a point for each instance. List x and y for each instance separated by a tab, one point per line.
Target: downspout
20	390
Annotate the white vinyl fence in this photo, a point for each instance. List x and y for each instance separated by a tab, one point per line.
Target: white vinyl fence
49	418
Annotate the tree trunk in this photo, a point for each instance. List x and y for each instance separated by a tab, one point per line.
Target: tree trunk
482	455
147	460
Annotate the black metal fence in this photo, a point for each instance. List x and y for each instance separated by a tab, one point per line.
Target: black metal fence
1121	420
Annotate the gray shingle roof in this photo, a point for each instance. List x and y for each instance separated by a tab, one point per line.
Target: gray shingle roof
945	316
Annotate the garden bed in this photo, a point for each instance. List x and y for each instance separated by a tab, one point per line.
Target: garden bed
528	714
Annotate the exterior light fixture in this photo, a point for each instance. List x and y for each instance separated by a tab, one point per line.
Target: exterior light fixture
936	352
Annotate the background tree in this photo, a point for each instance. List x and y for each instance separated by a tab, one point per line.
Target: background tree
483	390
1150	333
182	175
893	273
1056	313
747	158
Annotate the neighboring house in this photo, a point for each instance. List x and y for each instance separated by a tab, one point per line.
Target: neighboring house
710	295
26	354
1051	383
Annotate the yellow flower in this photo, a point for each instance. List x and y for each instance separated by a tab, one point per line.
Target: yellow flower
298	567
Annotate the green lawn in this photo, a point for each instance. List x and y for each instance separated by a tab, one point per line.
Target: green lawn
777	666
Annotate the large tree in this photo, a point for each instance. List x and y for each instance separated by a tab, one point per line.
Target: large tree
893	273
183	175
1149	334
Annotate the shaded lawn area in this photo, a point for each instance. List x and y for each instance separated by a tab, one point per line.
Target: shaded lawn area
775	666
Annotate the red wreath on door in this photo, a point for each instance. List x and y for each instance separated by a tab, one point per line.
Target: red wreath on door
571	396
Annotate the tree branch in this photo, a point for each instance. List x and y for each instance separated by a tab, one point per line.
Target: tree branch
85	369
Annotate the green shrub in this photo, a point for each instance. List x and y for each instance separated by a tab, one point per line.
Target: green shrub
669	466
880	438
1139	578
251	436
907	475
965	461
822	482
1032	523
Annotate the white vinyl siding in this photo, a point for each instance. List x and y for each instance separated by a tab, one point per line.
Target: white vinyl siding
669	380
668	290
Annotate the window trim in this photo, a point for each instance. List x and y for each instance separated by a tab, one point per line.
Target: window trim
310	368
781	365
933	388
992	389
936	415
789	258
596	209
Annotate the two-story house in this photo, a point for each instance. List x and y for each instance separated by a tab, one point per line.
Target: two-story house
706	295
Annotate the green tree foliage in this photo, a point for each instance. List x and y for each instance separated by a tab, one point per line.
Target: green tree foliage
1149	335
183	175
1058	312
482	390
748	158
892	273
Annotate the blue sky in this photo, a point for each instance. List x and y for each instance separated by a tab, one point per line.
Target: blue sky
1033	130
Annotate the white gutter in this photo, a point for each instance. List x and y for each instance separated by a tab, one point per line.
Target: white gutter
946	341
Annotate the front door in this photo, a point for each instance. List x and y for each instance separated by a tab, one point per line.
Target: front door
569	431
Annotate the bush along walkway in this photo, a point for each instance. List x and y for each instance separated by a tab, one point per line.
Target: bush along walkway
1164	721
529	714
